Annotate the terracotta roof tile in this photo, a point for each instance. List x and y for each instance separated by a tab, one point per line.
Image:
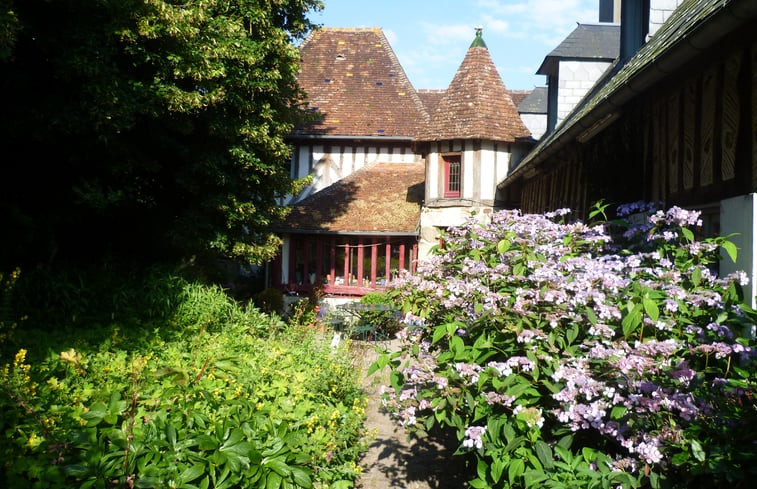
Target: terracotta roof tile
519	95
431	98
378	198
353	78
476	106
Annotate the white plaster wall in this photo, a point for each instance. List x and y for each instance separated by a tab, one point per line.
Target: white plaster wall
739	215
576	78
488	174
330	167
432	176
659	11
467	183
536	123
442	217
503	158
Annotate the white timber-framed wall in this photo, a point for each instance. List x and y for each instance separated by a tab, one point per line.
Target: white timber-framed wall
329	161
484	163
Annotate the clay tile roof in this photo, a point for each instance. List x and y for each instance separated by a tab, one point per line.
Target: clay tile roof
431	98
477	105
519	95
378	198
354	80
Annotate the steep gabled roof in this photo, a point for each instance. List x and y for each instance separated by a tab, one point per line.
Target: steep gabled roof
354	80
378	198
476	105
597	42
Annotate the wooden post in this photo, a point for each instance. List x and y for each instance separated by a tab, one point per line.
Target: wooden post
332	270
346	263
388	261
402	256
374	259
360	256
414	264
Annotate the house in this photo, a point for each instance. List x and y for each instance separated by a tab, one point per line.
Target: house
390	166
356	225
672	119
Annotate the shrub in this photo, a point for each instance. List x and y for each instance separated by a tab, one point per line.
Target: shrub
209	400
271	300
574	355
385	322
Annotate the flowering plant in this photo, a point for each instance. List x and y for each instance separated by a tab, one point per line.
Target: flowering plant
577	355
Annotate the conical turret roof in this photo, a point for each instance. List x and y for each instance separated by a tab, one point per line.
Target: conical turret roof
476	105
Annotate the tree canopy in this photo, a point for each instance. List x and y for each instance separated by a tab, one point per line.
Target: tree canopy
150	128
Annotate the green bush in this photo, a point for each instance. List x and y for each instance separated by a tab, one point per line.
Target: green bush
270	300
385	322
212	397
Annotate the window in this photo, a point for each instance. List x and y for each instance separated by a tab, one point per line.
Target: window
452	175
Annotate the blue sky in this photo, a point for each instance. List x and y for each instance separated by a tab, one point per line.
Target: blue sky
430	37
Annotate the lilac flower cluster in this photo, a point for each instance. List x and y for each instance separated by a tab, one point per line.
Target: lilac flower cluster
632	329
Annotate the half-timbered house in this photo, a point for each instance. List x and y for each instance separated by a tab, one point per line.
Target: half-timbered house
390	165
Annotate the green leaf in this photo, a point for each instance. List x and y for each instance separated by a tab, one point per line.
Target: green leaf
650	307
279	466
273	481
544	452
343	484
618	412
515	470
731	249
439	333
301	477
503	245
479	484
696	276
688	234
192	473
697	451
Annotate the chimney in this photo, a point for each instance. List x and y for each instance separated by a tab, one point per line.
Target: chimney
634	26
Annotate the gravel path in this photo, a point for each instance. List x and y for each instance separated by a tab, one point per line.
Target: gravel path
392	460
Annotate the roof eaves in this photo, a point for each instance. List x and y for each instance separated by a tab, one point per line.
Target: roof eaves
700	25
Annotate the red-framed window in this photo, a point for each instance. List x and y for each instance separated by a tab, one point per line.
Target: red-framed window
453	175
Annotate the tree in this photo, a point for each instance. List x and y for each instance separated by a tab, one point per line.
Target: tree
149	128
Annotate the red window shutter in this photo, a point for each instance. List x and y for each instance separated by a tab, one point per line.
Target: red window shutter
452	176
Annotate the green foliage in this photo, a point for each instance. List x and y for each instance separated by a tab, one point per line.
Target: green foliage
567	355
208	396
271	300
384	322
148	129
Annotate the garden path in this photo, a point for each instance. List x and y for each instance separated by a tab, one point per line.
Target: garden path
393	461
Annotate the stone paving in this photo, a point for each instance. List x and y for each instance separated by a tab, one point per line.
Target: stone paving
395	462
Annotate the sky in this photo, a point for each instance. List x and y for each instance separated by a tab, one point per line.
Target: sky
431	37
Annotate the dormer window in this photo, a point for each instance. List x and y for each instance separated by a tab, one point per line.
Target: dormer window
452	175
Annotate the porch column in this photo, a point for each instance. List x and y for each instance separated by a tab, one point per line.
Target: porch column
388	261
332	269
402	257
346	264
360	257
374	259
